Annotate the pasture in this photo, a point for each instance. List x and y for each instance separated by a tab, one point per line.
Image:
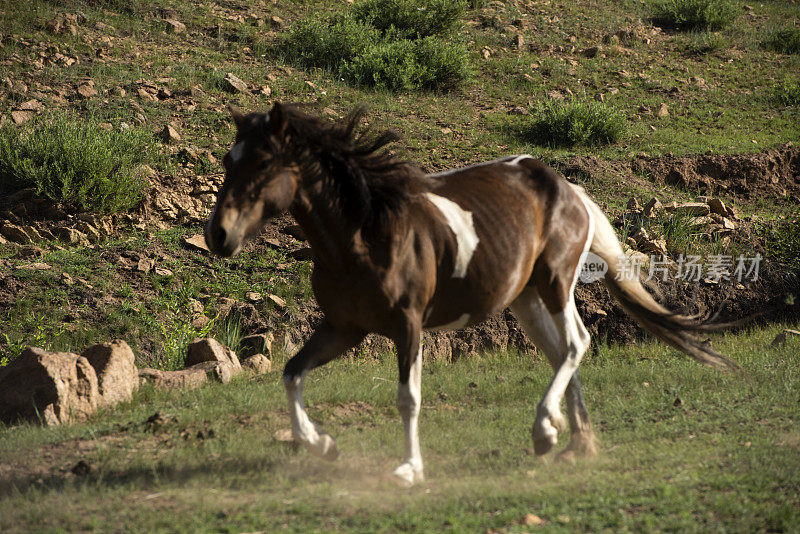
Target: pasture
113	118
682	448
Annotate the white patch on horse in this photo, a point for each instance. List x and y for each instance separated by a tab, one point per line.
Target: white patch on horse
460	222
303	430
461	322
409	398
237	152
516	160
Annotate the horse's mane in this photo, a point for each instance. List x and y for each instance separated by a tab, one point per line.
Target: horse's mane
373	186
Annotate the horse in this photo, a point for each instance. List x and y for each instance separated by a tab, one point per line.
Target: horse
397	251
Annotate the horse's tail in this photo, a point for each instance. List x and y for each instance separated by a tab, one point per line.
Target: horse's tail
672	328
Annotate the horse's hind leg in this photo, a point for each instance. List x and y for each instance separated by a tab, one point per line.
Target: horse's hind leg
547	333
325	344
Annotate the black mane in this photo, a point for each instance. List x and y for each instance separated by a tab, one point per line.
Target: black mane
372	185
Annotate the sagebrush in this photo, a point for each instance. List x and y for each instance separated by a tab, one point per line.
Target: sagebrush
575	122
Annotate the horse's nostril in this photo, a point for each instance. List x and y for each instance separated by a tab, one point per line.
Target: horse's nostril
220	235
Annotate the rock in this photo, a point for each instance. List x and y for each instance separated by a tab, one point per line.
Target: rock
519	41
253	296
633	204
71	236
190	378
15	234
593	51
211	350
169	134
234	84
532	520
653	207
256	343
692	209
145	265
35	266
163	271
91	232
257	364
699	222
86	90
276	21
29	251
22	116
196	242
296	232
718	207
53	387
117	376
175	26
195	306
278	301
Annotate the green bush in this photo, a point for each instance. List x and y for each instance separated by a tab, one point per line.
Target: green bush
410	18
574	122
788	93
75	161
694	14
328	42
701	43
428	63
784	40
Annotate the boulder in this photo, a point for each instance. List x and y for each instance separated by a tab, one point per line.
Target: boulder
211	350
117	376
256	343
184	379
52	387
693	209
258	364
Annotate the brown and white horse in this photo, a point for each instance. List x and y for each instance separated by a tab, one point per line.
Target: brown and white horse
398	251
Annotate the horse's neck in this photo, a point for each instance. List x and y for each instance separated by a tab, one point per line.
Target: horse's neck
330	235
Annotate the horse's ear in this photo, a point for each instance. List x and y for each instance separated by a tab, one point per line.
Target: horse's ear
236	115
278	119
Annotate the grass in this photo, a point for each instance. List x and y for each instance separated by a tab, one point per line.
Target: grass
783	40
788	93
76	161
694	14
575	122
724	458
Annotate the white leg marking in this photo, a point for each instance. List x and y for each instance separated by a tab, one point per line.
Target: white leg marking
455	325
516	160
237	152
460	222
304	431
409	397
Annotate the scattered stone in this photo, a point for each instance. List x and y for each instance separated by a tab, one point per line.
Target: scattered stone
22	116
190	378
117	376
81	469
532	520
195	306
28	252
593	51
519	41
162	271
296	232
276	21
175	26
253	296
663	111
279	302
91	232
211	350
234	84
71	236
87	90
718	207
67	279
196	242
15	234
169	134
35	266
633	204
257	364
51	387
694	209
653	207
145	265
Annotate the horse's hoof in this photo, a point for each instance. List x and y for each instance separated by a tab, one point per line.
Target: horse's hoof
406	475
542	446
545	434
325	448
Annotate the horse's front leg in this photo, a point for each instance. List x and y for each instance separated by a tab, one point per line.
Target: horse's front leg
409	397
325	344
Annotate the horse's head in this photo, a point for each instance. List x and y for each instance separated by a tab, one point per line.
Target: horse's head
261	180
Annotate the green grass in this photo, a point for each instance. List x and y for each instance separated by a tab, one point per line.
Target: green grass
76	161
694	14
725	459
788	93
783	40
574	122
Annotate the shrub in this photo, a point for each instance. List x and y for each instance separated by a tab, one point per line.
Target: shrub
788	93
574	122
327	42
75	161
701	43
428	63
694	14
784	40
410	18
